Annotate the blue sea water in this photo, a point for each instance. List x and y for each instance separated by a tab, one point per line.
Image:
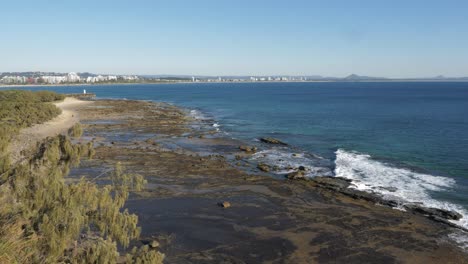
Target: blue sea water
404	140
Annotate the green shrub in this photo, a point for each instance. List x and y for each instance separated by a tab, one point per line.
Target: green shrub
71	223
45	220
19	109
76	131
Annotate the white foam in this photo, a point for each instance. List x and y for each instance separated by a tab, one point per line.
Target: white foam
461	239
197	115
288	162
400	184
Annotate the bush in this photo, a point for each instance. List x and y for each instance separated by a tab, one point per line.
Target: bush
76	131
70	223
19	109
45	220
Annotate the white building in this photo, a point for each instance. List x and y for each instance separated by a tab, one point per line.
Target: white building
54	79
72	77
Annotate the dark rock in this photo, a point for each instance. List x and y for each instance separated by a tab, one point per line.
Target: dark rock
248	148
296	175
434	212
334	183
341	185
302	168
390	189
447	222
272	141
263	167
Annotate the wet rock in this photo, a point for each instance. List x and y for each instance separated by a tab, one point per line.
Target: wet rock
302	168
270	140
248	148
263	167
296	175
224	204
334	183
238	157
434	212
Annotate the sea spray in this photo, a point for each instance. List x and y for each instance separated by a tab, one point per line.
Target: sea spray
400	184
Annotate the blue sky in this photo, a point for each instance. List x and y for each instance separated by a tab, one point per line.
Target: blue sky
331	38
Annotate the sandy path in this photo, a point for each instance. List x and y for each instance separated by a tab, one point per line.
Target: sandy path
28	137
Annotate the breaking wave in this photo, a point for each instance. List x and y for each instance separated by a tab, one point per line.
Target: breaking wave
399	184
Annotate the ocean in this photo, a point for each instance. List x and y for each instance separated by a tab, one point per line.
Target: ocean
407	141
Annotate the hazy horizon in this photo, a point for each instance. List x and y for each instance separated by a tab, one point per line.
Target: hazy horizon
420	39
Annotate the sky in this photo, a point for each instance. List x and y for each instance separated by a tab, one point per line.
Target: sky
382	38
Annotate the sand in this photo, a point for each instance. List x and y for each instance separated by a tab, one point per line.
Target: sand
28	137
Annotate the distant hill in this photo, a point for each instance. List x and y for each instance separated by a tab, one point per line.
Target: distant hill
355	77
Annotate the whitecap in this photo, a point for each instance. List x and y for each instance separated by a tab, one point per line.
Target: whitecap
400	184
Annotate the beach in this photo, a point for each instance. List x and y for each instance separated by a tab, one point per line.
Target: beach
203	206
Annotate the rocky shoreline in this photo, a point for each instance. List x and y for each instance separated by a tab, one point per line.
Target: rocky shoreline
206	207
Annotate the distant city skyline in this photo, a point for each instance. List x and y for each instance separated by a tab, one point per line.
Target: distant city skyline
391	39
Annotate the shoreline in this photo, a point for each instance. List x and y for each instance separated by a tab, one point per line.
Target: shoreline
229	82
192	171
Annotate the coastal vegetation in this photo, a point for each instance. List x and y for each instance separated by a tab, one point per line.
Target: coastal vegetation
44	219
19	109
76	131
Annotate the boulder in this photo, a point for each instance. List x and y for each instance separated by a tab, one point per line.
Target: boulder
296	175
270	140
224	204
248	148
263	167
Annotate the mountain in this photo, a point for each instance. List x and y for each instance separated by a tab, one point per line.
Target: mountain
355	77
